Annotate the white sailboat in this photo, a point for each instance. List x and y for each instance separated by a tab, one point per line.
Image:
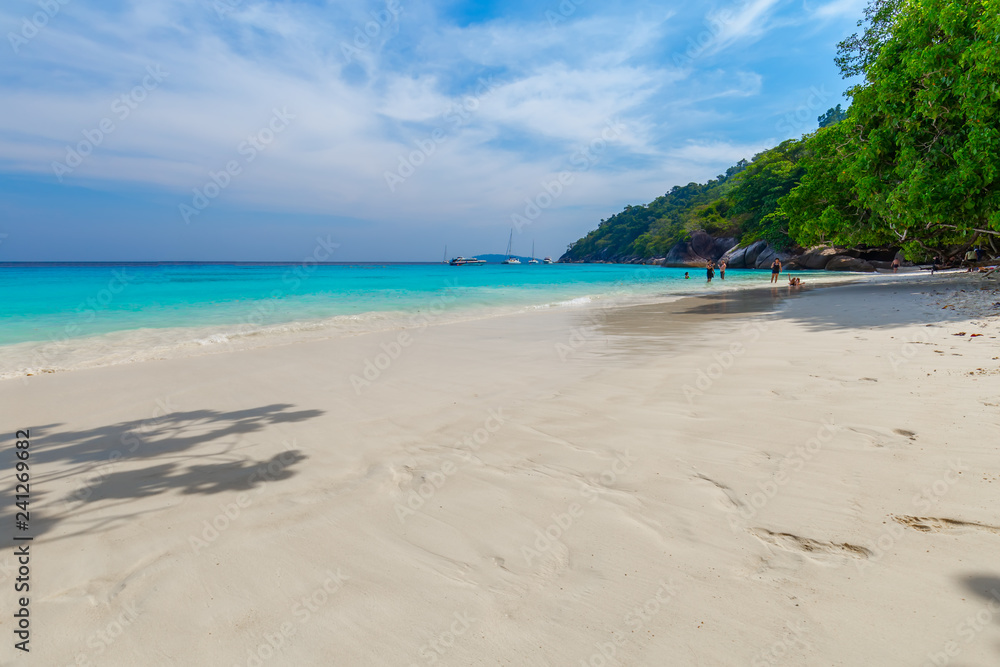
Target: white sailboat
532	260
510	258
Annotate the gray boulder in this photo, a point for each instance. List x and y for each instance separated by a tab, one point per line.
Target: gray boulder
764	259
708	247
700	249
735	258
847	263
702	245
722	245
817	258
767	257
681	256
753	252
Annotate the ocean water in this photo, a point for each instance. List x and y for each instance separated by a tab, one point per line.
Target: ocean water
62	316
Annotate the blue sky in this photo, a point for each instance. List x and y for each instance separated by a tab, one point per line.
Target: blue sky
245	129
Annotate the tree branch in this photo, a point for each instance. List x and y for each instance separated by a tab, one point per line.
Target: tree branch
974	229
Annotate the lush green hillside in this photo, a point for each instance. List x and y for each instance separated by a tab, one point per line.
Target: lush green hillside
913	163
648	231
742	203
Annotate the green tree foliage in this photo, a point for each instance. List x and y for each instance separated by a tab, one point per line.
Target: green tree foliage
917	162
650	231
832	116
856	53
647	231
823	207
742	203
757	191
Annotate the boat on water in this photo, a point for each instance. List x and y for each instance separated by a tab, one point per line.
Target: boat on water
548	260
532	260
510	258
466	261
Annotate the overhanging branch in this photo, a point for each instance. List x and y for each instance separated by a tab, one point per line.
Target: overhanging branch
972	229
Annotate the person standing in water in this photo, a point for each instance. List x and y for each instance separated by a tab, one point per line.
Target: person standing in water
710	270
775	270
722	270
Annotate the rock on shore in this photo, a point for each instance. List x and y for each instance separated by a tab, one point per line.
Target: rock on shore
703	247
760	255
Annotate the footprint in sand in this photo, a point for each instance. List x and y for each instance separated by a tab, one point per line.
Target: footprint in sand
879	437
828	553
927	524
725	496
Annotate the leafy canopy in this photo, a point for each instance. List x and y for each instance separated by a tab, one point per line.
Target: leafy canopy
917	161
832	116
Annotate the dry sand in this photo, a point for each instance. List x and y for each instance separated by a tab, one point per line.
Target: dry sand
741	480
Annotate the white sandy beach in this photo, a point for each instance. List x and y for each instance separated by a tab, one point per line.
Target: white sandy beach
725	481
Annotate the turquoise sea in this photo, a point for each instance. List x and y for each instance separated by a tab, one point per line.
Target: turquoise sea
67	315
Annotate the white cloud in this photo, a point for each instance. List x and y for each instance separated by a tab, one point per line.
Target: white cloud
748	22
841	8
718	153
555	90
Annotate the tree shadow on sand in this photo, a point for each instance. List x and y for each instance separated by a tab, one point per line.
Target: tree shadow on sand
987	588
819	316
661	326
110	466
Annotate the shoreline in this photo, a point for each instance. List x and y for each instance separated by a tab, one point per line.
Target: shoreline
713	480
71	353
